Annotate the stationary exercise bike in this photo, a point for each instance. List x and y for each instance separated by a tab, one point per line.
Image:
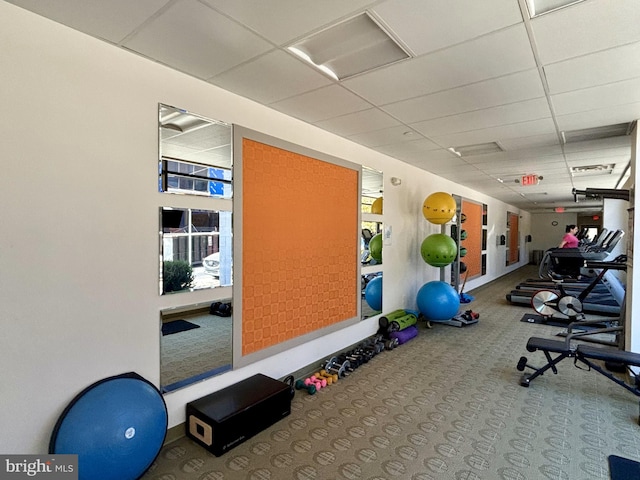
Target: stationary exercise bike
547	302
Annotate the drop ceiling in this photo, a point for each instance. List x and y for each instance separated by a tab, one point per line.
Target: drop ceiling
478	72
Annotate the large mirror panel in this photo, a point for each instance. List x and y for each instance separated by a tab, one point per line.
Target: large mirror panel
196	248
196	344
371	241
195	154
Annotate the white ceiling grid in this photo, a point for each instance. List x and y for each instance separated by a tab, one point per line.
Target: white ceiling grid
480	72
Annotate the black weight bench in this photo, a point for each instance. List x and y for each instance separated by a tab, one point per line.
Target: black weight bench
585	354
561	349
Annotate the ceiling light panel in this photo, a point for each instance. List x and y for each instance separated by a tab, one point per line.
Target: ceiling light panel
588	170
477	149
540	7
349	48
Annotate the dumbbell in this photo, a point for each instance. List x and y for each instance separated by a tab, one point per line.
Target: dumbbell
391	343
331	378
318	376
318	382
333	367
354	359
300	385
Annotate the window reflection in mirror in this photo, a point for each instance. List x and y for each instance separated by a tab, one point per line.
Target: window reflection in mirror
196	344
195	154
371	241
196	249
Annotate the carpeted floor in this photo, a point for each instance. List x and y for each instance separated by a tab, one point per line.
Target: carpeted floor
446	405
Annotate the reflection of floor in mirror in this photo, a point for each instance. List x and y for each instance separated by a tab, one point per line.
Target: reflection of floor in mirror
367	311
194	352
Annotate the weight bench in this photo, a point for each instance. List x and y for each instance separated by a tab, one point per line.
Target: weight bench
585	354
562	349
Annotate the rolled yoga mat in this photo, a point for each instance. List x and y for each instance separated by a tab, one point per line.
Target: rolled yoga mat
405	335
401	323
389	317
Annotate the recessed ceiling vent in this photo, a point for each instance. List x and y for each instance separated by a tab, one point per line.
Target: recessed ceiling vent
352	47
598	133
587	170
477	149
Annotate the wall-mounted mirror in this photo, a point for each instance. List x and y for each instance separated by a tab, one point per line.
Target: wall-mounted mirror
196	344
371	241
195	154
195	160
196	248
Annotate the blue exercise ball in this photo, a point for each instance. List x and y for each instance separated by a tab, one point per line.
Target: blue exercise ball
116	427
373	293
438	301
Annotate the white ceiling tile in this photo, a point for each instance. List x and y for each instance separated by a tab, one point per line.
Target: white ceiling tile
360	122
112	20
489	117
614	144
429	25
488	93
585	28
596	69
618	93
448	164
588	158
271	77
544	140
600	117
388	136
285	20
518	170
184	36
321	104
496	134
416	150
500	53
582	183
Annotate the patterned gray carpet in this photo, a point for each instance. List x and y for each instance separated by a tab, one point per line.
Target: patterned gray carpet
446	405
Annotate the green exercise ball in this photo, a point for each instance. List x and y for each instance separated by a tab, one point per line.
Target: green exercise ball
438	250
375	247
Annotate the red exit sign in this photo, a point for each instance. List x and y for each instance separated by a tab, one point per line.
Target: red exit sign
529	180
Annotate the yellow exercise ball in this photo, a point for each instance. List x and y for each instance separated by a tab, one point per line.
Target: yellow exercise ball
439	207
376	206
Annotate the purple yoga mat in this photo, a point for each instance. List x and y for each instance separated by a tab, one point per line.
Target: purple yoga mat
405	335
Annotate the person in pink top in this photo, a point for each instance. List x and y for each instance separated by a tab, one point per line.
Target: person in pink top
570	240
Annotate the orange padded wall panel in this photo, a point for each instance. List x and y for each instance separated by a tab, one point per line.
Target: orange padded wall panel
473	242
514	251
299	245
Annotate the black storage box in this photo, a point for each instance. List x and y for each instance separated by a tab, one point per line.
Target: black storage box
226	418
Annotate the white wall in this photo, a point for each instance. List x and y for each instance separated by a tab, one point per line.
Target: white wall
79	248
545	234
